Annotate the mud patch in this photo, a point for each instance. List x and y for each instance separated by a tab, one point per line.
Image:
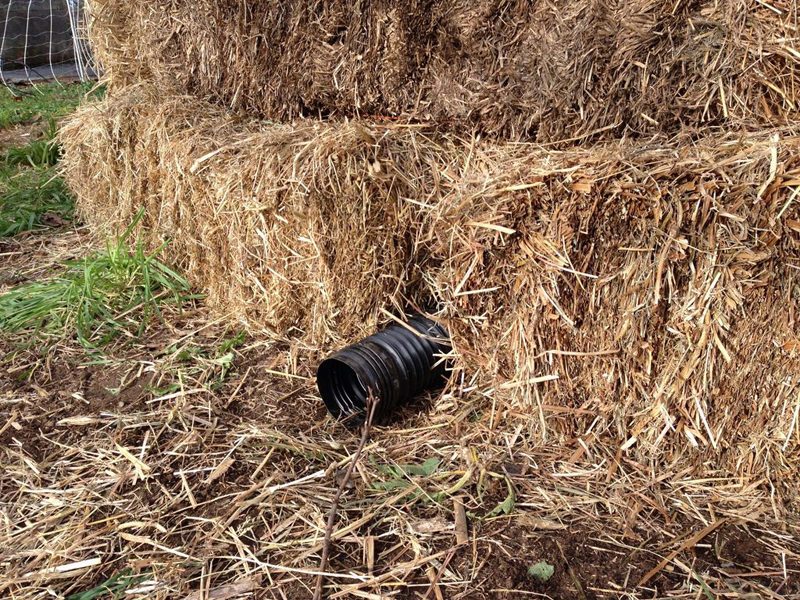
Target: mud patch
19	135
586	567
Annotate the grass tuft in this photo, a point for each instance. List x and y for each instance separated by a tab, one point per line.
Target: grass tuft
112	293
44	152
32	193
39	153
30	197
114	587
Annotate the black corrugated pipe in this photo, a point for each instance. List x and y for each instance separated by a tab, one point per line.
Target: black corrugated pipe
395	365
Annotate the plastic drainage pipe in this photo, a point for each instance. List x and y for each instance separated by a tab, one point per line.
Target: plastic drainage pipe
394	365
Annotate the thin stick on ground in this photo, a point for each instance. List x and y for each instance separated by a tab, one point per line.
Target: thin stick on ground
372	403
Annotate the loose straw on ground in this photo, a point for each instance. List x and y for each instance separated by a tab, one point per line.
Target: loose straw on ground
371	405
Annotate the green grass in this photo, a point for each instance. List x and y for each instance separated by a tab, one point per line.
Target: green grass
39	153
114	587
50	100
44	152
29	196
31	192
32	195
95	300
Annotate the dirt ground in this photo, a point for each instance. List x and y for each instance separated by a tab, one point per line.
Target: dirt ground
69	411
18	135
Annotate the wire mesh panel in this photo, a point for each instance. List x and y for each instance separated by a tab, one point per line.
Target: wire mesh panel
44	39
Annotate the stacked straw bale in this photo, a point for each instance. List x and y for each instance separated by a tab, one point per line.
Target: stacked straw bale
522	69
633	294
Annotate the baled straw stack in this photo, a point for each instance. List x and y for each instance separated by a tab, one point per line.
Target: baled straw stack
640	297
522	69
115	37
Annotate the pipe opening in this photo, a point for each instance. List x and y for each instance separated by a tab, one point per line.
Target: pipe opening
396	364
340	388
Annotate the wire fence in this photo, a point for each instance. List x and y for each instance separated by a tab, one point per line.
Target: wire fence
44	40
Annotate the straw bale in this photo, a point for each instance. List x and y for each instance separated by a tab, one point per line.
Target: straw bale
521	69
630	294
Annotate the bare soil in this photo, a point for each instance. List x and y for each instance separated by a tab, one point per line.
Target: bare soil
19	135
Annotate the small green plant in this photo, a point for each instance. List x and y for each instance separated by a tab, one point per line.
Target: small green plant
423	482
542	571
230	344
28	197
96	299
506	507
401	476
114	587
707	592
204	365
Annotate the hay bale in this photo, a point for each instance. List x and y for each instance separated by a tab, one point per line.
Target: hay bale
633	295
519	69
116	35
